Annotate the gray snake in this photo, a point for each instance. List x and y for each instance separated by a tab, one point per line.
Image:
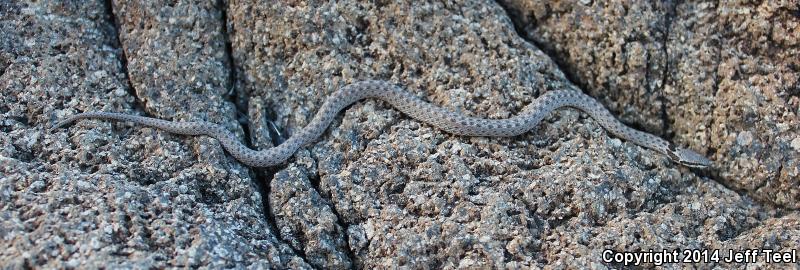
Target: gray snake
415	107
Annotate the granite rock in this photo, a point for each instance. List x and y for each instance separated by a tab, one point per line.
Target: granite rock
722	76
111	195
615	50
378	189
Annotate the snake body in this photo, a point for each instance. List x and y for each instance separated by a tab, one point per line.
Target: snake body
415	107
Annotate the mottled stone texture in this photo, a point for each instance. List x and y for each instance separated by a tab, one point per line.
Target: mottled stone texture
109	195
379	189
724	75
613	49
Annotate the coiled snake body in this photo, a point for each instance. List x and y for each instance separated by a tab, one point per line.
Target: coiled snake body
418	109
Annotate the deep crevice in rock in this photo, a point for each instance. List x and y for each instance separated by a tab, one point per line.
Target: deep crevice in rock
315	184
547	50
569	73
665	78
261	176
138	105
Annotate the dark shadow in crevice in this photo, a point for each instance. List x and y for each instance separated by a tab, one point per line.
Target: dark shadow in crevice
666	132
122	56
315	184
262	176
569	73
547	50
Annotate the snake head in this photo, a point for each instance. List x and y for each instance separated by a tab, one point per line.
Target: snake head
688	157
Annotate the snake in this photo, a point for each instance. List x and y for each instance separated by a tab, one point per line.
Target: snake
413	106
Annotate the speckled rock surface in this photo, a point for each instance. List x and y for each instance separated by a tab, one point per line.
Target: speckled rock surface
379	189
109	195
724	76
613	49
409	195
777	235
752	109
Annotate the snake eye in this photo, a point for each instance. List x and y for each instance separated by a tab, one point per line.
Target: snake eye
674	156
